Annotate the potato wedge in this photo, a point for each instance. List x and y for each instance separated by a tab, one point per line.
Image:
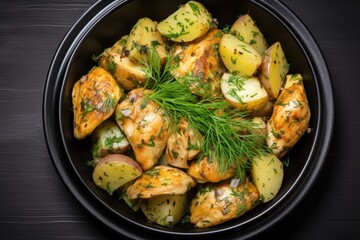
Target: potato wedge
244	93
142	36
267	174
189	22
107	139
165	210
238	56
115	170
246	30
273	69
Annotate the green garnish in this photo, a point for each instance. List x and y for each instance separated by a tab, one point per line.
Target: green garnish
228	135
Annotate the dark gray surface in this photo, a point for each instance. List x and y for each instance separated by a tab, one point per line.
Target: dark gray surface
35	204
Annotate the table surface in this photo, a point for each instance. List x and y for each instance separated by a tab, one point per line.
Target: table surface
35	204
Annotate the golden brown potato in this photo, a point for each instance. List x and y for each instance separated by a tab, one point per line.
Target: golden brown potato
273	69
221	202
145	125
238	56
142	36
183	145
290	118
246	30
189	22
160	180
244	93
114	171
115	60
94	98
200	65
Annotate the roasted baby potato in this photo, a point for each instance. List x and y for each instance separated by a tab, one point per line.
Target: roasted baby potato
160	180
267	174
142	36
290	118
115	170
165	210
115	60
273	69
244	93
246	30
107	139
221	202
94	98
239	56
189	22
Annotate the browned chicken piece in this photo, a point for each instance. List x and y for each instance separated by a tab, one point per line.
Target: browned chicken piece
290	118
208	171
94	98
160	180
183	145
128	73
200	64
145	125
218	203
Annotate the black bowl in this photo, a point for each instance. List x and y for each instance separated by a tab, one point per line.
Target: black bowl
103	24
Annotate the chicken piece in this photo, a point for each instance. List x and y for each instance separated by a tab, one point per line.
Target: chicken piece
290	117
218	203
128	73
160	180
183	145
94	98
208	171
200	64
145	125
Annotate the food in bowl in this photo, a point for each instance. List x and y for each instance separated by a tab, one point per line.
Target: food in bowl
207	117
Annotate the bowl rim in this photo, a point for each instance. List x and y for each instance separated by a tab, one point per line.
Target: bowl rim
303	183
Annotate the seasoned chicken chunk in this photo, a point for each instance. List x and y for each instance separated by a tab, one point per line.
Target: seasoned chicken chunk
208	171
128	73
218	203
183	145
290	117
160	180
145	125
200	65
94	98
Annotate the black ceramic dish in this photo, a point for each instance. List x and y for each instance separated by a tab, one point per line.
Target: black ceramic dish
106	22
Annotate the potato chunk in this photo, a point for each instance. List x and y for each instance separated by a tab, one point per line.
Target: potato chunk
107	139
115	170
267	174
244	93
273	69
127	73
142	36
165	210
238	56
189	22
246	30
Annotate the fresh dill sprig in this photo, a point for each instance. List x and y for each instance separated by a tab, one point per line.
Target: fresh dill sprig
229	138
